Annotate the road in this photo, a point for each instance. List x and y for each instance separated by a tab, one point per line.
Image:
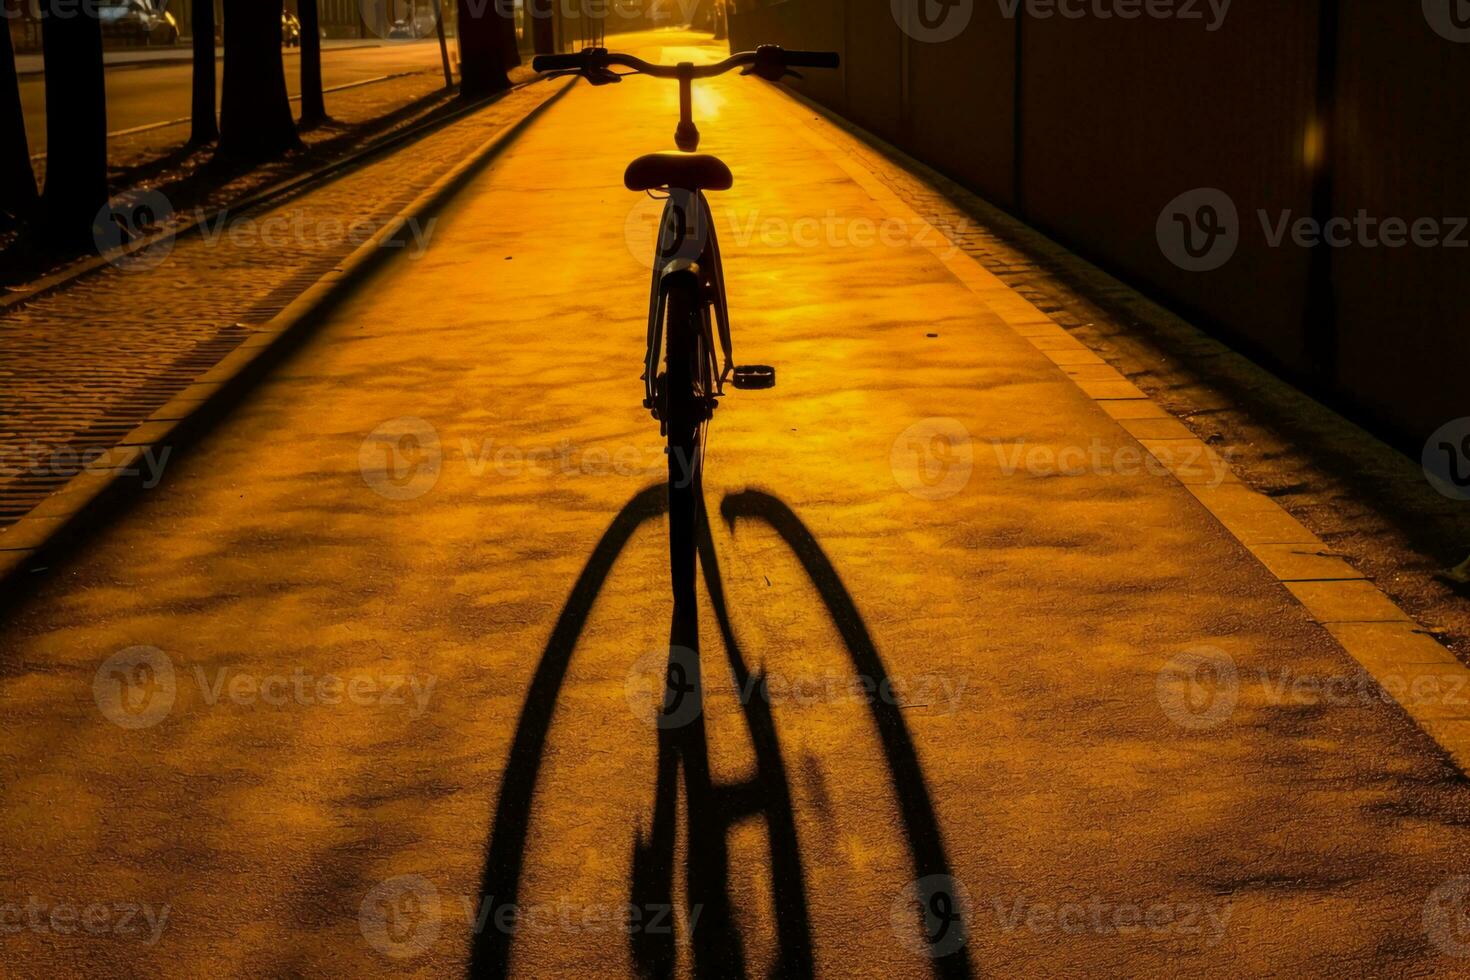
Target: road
144	95
373	664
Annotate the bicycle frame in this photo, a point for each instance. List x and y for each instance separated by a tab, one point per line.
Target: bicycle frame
687	244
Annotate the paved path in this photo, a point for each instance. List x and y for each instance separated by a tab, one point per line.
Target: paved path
407	606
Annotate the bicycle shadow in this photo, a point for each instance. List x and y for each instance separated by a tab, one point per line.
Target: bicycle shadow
712	811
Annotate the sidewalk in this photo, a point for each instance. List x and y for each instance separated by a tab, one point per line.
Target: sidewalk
362	590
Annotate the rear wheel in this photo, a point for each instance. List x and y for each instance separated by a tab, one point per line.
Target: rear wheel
685	411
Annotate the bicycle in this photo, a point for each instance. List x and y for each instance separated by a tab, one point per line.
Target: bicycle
687	291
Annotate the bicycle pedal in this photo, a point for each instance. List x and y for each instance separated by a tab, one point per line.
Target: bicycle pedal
749	376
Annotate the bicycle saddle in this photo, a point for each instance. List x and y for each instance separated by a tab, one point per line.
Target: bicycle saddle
689	171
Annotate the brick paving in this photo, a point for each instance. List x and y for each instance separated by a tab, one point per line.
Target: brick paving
81	367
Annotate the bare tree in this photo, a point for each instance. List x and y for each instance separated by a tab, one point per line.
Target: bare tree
313	105
722	23
17	180
255	112
206	128
76	129
487	46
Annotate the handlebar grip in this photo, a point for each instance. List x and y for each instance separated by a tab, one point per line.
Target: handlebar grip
557	62
810	59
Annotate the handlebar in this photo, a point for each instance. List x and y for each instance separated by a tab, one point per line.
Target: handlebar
769	61
810	59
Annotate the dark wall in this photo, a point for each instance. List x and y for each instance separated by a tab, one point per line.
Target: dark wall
1120	117
1403	122
1089	128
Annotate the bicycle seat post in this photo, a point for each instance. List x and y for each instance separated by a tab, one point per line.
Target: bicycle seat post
686	137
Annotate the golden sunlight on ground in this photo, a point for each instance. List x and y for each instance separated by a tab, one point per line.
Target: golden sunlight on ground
961	656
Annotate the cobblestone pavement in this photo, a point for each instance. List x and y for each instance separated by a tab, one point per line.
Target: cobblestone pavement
81	367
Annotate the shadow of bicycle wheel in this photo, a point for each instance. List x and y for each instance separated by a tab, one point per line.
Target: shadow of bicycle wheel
712	810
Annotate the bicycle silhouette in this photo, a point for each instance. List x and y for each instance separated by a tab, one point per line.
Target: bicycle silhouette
714	810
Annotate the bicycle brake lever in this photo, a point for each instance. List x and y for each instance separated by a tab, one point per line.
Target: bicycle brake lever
602	76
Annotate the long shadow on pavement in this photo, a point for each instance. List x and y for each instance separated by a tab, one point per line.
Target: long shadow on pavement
714	810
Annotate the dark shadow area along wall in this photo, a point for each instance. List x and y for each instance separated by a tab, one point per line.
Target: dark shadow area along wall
1087	128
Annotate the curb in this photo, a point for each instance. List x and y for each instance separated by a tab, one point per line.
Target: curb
61	520
1392	647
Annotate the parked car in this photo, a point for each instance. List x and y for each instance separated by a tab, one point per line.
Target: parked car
418	24
138	21
290	30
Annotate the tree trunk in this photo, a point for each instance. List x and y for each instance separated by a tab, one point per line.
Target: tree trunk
543	37
505	32
17	180
255	113
313	106
484	54
76	131
722	13
206	129
443	43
